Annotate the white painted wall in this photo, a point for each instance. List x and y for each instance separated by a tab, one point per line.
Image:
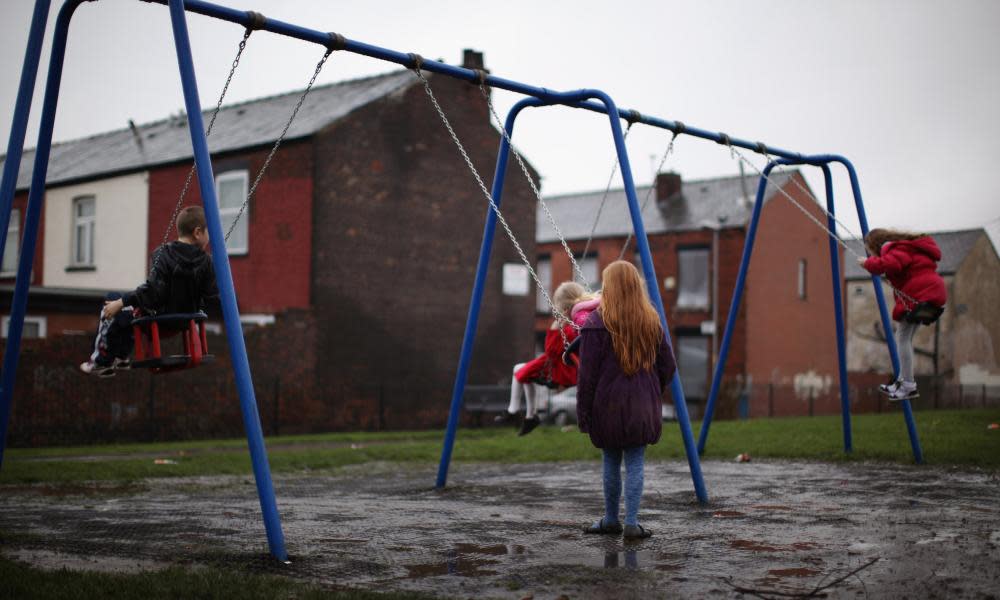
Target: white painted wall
122	214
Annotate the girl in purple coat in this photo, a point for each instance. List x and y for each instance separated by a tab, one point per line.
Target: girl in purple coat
625	364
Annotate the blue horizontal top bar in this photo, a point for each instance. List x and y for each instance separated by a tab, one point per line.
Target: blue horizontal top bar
470	75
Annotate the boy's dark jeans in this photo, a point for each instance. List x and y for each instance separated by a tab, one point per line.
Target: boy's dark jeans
114	336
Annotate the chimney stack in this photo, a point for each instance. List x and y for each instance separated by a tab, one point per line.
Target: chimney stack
472	59
668	187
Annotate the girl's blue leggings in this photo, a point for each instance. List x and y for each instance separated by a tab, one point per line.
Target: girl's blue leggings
634	460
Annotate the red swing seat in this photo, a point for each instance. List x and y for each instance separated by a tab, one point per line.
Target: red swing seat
148	331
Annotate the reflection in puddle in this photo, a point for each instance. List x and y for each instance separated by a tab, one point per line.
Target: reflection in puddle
631	559
465	560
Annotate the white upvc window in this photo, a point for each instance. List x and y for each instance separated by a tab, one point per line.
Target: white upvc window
10	254
543	268
231	189
589	267
692	275
34	327
84	221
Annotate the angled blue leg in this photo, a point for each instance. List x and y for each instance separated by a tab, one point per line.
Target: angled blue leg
36	196
227	293
838	307
734	309
472	320
890	338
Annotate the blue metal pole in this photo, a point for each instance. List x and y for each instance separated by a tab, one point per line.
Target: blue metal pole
36	196
838	307
734	309
911	426
227	292
22	108
653	287
477	296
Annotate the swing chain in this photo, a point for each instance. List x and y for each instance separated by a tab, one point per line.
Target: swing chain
607	190
277	143
208	132
560	316
830	232
649	192
578	273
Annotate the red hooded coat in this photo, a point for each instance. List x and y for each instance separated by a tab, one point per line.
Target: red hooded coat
548	368
911	267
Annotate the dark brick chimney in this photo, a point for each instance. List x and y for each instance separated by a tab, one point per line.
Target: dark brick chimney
472	59
668	187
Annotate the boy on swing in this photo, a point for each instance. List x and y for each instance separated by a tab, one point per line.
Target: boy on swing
180	281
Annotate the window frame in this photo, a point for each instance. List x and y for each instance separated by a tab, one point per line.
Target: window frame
89	224
541	306
707	250
13	233
244	176
581	260
42	323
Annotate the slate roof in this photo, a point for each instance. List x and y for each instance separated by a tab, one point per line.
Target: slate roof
244	125
704	201
955	246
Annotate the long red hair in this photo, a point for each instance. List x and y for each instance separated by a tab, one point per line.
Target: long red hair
631	320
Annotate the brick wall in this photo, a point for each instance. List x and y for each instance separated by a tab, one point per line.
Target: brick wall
275	274
790	338
399	221
21	204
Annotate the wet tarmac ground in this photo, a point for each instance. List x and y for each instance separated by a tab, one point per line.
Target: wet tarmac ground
511	531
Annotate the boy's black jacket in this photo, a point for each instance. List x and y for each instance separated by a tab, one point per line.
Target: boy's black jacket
181	280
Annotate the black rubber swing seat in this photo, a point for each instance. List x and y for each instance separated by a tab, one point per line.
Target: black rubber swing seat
924	313
149	330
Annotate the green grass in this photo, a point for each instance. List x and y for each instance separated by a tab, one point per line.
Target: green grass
24	582
948	437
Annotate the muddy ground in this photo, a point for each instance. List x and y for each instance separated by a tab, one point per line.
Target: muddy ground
512	531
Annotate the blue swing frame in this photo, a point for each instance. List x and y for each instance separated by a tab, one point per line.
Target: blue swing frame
583	99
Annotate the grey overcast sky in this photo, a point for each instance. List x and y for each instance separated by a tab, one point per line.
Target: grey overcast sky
908	90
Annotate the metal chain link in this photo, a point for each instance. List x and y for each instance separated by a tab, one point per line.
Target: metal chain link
830	232
560	316
538	194
208	132
277	143
649	192
604	198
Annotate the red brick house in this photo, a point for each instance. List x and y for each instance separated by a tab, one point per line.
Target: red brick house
696	231
358	249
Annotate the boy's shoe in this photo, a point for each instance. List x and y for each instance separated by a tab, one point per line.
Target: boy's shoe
636	532
906	390
123	363
528	425
600	527
92	368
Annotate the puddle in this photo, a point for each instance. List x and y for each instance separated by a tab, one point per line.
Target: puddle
510	531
